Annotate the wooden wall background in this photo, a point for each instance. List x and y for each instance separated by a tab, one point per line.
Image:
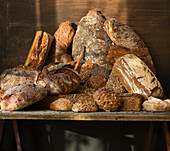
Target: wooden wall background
19	21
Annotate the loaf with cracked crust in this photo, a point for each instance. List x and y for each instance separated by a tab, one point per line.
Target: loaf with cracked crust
91	34
39	50
122	34
136	76
116	52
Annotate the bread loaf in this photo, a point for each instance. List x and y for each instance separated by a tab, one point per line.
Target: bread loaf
114	84
155	104
61	104
60	78
85	104
131	102
91	34
23	95
107	100
62	39
18	76
39	50
136	76
116	52
122	34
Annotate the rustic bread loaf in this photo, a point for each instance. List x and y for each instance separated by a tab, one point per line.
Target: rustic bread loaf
17	76
85	104
96	81
61	104
59	78
107	100
131	102
20	96
116	52
91	34
136	76
39	50
122	34
62	39
155	104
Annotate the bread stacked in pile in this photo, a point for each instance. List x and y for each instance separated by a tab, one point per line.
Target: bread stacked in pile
101	65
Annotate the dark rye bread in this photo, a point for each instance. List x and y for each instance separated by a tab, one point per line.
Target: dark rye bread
116	51
136	76
131	102
122	34
91	34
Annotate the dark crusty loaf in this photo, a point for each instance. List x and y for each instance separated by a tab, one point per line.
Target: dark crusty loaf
85	71
122	34
96	81
39	50
136	76
62	39
60	78
116	52
131	102
91	34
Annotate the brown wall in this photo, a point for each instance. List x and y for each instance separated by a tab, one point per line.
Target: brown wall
20	19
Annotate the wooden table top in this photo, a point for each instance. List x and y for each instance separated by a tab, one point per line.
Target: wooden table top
89	116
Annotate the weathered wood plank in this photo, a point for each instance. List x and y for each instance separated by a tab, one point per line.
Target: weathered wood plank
96	116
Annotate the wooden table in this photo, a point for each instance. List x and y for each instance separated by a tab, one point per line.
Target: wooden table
91	116
152	117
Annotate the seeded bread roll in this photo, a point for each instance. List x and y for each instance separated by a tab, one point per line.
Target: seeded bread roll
136	76
107	100
122	34
85	104
96	81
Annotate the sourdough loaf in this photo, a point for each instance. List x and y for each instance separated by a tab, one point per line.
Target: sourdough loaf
116	52
122	34
136	76
91	34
